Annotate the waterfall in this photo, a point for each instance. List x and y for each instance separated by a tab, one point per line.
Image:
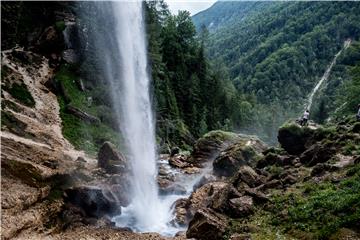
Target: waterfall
325	76
118	32
138	123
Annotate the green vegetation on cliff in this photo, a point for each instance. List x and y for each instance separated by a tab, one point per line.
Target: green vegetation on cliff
275	52
187	89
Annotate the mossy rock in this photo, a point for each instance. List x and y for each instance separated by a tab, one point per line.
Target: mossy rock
209	146
237	154
293	137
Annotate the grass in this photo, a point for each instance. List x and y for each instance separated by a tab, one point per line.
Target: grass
82	135
320	209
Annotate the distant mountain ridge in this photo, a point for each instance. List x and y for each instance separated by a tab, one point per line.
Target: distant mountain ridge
275	52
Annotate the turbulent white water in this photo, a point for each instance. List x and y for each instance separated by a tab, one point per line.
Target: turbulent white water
325	76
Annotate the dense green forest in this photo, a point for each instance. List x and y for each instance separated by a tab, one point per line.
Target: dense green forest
275	52
244	66
191	97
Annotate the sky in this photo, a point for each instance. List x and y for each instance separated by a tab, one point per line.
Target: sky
193	6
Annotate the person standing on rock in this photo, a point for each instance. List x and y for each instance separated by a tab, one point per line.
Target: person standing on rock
358	113
305	118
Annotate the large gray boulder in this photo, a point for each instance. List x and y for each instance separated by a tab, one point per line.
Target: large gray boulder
110	159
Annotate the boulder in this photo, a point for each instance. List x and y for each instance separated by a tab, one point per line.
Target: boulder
93	201
293	138
275	159
320	168
179	161
174	150
50	41
207	225
258	196
318	153
209	146
110	159
211	194
242	152
249	176
241	207
180	212
70	56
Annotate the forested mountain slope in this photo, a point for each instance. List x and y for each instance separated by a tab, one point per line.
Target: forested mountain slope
275	52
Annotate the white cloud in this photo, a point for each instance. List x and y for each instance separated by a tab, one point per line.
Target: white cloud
193	6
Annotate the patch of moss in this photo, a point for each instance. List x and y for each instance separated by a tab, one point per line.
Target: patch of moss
82	135
21	93
60	26
85	136
220	135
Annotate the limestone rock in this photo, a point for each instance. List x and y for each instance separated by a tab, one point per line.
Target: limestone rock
110	159
179	161
249	176
242	206
209	146
207	224
208	195
243	152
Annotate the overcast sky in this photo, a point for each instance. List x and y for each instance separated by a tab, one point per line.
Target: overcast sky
193	6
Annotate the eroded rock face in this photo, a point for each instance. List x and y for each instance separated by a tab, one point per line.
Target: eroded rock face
110	159
207	224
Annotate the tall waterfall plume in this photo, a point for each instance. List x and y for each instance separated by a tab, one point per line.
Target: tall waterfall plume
118	32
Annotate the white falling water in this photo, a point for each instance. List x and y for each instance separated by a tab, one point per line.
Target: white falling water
118	34
144	212
326	75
